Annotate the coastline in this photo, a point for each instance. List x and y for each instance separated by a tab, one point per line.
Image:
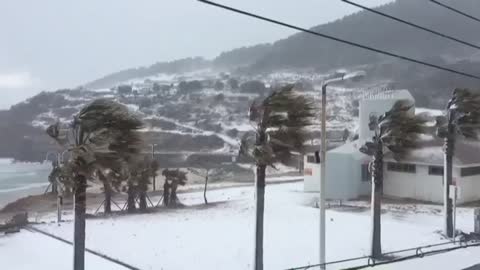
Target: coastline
12	196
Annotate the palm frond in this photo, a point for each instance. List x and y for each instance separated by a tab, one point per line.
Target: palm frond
104	113
398	130
281	119
105	138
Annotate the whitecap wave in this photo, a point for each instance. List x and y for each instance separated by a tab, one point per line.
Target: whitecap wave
24	187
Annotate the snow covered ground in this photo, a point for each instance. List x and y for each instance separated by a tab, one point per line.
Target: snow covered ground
220	235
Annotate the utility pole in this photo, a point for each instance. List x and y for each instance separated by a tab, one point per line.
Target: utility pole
323	154
153	158
323	157
448	175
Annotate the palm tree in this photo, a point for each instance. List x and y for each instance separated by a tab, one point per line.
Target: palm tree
101	135
131	194
53	176
397	131
462	118
111	181
173	178
280	120
145	169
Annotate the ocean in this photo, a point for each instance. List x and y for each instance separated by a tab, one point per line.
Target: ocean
19	179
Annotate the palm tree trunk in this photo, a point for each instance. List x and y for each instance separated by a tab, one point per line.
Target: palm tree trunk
173	194
143	201
80	201
166	193
205	189
449	148
376	203
54	187
259	216
107	207
131	199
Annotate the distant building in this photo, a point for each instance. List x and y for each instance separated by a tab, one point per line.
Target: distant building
419	176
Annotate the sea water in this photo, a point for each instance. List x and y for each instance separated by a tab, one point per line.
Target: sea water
18	179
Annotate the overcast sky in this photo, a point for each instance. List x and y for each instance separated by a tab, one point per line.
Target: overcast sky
51	44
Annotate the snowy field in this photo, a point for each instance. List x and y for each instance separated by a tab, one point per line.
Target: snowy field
220	235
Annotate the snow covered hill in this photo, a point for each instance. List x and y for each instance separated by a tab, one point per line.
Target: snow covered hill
197	111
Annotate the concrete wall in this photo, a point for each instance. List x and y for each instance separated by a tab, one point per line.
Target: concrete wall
419	186
311	181
343	179
469	187
340	178
378	105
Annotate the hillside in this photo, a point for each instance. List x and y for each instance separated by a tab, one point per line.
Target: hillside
189	113
302	51
196	105
305	50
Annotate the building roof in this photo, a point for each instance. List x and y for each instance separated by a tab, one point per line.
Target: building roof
388	95
431	153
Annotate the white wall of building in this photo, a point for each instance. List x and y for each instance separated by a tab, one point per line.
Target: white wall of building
419	186
378	105
344	173
311	179
469	187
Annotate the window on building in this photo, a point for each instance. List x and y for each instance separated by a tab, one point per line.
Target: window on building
401	167
470	171
313	159
435	170
366	175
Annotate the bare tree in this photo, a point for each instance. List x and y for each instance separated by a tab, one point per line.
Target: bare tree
208	171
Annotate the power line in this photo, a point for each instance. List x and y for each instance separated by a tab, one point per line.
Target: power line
455	10
412	24
339	39
418	253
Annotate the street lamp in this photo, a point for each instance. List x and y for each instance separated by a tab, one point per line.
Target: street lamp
153	158
62	159
354	76
49	153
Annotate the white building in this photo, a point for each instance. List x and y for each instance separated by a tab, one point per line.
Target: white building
418	176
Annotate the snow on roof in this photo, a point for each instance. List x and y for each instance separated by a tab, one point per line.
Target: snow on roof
431	152
101	90
132	107
388	94
431	112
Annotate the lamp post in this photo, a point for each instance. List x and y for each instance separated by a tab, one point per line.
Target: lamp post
49	153
323	155
153	158
62	159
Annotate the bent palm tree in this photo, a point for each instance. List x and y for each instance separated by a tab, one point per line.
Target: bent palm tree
101	135
111	181
173	178
396	131
280	120
144	169
462	118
